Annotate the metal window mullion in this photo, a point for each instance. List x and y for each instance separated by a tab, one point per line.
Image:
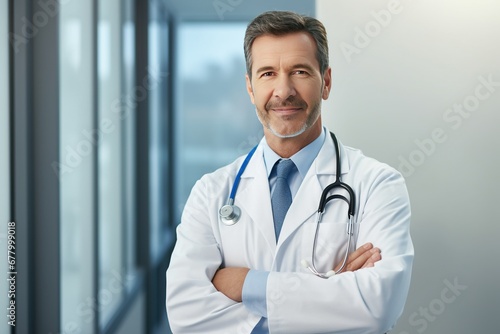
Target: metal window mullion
21	72
46	191
11	120
142	179
95	154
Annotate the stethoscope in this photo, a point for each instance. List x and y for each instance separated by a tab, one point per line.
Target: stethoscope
230	213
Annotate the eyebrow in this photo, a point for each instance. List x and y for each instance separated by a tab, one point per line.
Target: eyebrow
294	67
264	69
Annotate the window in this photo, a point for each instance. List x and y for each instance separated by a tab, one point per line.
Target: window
97	166
106	151
110	157
116	154
78	144
216	121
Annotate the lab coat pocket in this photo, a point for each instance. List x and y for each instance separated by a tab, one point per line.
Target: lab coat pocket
242	245
329	243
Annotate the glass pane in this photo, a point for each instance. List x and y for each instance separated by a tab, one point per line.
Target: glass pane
216	120
4	154
111	229
158	123
76	166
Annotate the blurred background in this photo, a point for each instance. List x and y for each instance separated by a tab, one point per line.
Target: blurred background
110	111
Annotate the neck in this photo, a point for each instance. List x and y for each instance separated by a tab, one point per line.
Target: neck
287	147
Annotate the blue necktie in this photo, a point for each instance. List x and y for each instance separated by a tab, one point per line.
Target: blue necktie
282	197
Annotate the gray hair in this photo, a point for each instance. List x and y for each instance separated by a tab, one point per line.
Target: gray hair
280	23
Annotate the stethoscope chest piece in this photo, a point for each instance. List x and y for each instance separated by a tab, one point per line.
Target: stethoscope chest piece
229	214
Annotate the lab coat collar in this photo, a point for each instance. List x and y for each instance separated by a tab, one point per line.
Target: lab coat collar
303	159
326	162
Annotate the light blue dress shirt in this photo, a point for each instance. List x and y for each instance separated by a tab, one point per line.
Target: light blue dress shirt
254	287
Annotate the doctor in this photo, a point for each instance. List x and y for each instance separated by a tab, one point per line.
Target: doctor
251	277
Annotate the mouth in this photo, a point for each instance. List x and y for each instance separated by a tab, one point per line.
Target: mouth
288	107
285	111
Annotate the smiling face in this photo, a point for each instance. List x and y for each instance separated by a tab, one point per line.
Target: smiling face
287	87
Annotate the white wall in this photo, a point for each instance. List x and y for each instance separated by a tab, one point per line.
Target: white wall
400	84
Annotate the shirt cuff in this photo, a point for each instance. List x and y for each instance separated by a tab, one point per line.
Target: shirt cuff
254	292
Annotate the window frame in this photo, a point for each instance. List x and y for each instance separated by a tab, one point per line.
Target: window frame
6	153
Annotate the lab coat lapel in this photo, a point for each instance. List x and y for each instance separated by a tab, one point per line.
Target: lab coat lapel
254	197
321	173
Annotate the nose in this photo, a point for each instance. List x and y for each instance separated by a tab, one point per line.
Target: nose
284	87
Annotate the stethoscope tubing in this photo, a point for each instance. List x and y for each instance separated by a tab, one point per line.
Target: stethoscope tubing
240	172
230	213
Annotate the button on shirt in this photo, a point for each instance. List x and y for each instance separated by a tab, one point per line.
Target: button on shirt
254	287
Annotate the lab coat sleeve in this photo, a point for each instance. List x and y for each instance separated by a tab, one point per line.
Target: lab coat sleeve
193	304
365	301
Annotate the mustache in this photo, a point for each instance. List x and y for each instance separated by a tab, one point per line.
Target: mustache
292	101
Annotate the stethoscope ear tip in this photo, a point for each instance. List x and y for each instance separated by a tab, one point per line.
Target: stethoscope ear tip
330	273
306	265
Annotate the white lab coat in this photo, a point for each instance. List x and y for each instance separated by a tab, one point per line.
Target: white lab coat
366	301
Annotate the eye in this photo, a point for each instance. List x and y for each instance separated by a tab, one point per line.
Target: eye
300	72
267	74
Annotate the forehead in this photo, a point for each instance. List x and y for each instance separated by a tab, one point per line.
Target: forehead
285	50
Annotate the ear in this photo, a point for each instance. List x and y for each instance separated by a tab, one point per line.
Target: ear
327	83
250	89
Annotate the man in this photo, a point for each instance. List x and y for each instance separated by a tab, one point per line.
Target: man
249	277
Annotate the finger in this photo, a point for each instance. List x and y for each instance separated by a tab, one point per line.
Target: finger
376	256
360	252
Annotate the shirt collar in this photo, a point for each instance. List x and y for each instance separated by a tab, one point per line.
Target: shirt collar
303	159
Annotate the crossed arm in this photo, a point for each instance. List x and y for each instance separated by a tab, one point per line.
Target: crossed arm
230	280
206	299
